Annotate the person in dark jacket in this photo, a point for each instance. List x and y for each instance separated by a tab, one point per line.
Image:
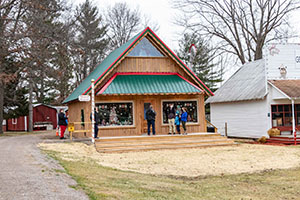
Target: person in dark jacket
62	122
171	118
150	116
97	120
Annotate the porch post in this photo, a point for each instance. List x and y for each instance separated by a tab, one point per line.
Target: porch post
293	115
93	112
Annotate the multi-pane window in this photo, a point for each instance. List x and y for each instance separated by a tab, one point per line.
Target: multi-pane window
191	107
115	114
282	115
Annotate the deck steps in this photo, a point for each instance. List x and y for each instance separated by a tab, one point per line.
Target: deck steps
283	139
144	143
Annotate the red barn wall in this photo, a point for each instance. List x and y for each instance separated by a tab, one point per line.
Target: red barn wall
44	113
17	124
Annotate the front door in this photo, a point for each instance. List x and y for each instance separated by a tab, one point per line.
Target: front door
146	105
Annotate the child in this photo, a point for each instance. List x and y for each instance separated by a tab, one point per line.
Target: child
184	116
177	122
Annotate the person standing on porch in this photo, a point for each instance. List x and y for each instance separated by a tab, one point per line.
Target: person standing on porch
62	122
184	116
150	116
97	119
171	118
177	121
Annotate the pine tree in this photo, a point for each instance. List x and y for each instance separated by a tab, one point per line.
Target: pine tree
202	62
90	42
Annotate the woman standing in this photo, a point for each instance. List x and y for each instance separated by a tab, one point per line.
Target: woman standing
62	122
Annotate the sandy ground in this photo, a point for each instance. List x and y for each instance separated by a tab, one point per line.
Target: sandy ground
245	158
26	173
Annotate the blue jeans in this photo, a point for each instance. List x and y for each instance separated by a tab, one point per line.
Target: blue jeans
149	123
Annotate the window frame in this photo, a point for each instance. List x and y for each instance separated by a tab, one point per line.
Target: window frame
119	126
187	123
283	112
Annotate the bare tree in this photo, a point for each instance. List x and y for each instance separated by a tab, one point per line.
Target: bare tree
123	23
240	27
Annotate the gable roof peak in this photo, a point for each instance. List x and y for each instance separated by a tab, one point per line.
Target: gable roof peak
119	54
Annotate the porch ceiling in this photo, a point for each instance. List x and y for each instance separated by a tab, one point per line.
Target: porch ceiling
148	84
290	87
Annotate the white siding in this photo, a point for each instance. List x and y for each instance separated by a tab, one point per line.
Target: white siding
277	55
247	119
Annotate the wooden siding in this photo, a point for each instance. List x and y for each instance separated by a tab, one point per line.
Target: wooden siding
152	64
138	109
277	55
74	111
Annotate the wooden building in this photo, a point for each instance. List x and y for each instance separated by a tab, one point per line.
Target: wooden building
141	72
44	118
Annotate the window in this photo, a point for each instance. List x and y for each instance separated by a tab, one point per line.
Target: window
191	110
145	49
115	114
282	115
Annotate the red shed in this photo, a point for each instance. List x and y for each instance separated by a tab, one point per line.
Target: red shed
44	117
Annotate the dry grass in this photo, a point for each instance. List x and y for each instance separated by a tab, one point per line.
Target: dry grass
245	158
107	183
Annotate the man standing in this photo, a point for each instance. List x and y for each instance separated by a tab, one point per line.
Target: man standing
97	120
171	118
150	116
62	122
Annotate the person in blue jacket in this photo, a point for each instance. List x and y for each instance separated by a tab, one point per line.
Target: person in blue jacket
184	116
177	121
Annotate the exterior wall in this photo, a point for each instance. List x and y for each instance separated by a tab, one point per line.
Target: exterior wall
44	113
17	124
74	113
138	109
4	125
287	55
248	119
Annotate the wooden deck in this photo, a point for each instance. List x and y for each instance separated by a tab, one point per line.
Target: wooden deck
157	142
284	139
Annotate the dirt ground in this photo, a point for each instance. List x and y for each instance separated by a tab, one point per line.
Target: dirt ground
244	158
26	173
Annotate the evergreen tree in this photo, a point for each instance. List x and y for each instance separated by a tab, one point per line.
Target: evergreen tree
44	31
15	101
90	42
202	62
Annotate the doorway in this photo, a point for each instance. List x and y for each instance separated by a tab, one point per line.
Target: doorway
146	105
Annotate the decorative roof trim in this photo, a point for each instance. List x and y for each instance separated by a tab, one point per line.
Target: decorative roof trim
173	55
208	91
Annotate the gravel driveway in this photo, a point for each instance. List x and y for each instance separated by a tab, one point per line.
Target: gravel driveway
26	173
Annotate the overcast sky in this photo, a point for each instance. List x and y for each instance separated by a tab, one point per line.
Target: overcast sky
162	12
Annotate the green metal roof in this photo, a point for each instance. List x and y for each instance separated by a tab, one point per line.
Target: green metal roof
149	84
114	57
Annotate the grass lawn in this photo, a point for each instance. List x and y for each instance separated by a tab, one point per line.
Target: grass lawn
106	183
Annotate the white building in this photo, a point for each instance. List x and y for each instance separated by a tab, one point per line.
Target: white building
261	95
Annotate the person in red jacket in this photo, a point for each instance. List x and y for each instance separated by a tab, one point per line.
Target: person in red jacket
62	122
